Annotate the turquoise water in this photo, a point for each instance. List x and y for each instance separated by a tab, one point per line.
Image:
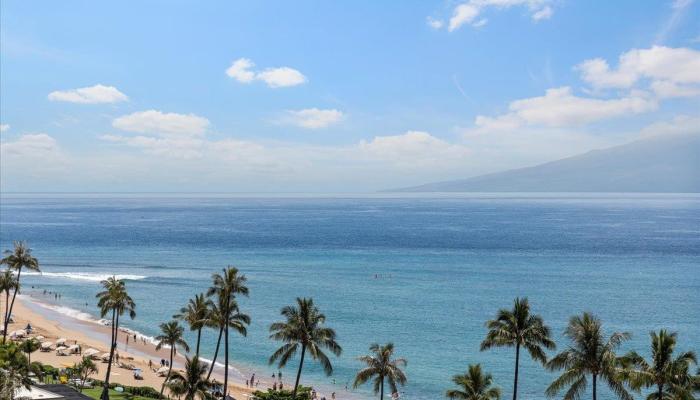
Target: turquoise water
443	266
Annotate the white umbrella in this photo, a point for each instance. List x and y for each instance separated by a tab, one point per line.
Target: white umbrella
61	341
162	371
74	348
105	357
39	338
46	345
19	333
90	352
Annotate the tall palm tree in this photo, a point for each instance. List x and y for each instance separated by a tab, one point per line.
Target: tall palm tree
474	385
236	321
669	375
8	283
304	327
518	328
115	299
29	346
192	384
195	314
17	259
382	366
227	286
589	354
171	335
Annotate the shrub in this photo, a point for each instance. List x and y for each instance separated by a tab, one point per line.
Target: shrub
303	393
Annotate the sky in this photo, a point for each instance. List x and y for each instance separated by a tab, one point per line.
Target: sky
330	96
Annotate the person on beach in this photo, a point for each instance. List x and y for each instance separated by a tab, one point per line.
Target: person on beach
274	386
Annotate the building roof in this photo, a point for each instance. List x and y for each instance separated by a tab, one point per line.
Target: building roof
51	392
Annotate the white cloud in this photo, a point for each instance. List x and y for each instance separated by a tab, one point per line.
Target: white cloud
671	66
89	95
164	124
668	89
559	107
414	149
175	147
313	118
435	23
467	13
544	13
679	125
4	127
31	145
241	70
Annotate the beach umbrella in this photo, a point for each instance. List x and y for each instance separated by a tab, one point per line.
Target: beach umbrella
105	357
162	371
74	348
39	338
18	333
90	352
46	345
61	341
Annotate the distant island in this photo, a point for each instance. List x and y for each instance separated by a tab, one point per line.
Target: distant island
661	164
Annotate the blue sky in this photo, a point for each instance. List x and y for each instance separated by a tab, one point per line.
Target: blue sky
331	96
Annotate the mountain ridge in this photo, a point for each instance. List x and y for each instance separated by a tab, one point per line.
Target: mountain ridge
663	164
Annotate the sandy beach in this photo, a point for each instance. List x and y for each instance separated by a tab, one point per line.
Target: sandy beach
92	335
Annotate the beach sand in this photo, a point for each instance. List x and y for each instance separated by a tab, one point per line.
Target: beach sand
92	335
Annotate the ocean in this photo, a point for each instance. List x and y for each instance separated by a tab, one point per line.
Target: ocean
422	271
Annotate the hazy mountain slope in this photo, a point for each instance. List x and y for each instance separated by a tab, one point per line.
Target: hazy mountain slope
659	164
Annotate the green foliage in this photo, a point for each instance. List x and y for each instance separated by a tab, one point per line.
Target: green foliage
142	391
303	393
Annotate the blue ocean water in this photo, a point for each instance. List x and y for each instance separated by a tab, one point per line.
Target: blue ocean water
423	272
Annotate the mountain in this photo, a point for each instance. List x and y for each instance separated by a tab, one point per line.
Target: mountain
656	164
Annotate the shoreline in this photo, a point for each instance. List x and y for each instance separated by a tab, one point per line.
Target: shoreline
52	324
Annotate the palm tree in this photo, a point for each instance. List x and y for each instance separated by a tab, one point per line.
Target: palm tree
8	283
381	365
20	257
474	385
171	335
116	300
84	369
192	383
518	328
669	375
589	354
226	287
303	327
29	346
195	314
14	371
236	321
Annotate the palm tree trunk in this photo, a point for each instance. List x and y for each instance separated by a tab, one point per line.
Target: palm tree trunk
112	345
12	304
199	337
381	390
170	368
595	389
216	353
661	391
226	359
517	362
7	307
301	364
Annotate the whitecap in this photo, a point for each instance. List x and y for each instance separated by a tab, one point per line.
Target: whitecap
85	276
